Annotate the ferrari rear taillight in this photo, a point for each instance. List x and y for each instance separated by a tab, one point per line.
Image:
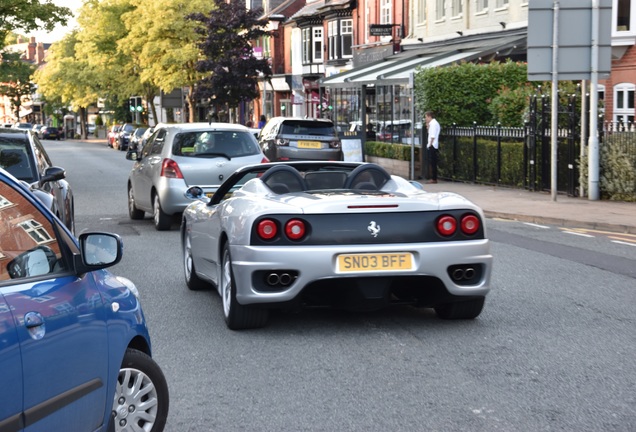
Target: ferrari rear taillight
469	224
267	229
446	225
295	229
170	169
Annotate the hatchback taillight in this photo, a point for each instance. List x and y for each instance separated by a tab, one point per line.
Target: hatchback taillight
334	144
170	169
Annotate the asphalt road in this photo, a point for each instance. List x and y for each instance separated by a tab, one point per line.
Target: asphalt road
554	348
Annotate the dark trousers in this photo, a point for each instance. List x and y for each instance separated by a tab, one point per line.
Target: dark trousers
433	158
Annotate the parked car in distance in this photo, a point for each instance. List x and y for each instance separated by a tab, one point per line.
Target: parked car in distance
36	129
112	135
25	126
289	139
49	133
136	137
123	136
334	234
90	128
177	156
75	348
23	156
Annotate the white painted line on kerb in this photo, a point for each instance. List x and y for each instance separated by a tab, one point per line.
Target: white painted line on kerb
536	226
624	243
578	234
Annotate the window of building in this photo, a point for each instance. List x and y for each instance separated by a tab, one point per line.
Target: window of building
318	43
306	41
500	4
385	12
457	8
481	6
421	11
4	202
440	9
340	38
623	15
36	231
624	102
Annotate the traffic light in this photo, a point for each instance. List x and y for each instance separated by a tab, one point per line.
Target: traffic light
138	104
132	104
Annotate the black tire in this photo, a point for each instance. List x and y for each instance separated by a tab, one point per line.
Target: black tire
237	316
193	281
140	383
133	211
468	309
163	221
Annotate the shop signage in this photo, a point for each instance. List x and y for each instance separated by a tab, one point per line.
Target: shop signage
381	29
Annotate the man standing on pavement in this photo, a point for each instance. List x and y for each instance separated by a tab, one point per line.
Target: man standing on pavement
432	147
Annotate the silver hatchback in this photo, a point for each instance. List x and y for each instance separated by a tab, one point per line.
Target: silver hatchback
178	156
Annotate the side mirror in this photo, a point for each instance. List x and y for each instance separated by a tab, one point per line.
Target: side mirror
133	155
52	174
35	262
195	193
97	251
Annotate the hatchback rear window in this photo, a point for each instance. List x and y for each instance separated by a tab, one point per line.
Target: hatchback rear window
307	127
15	159
214	143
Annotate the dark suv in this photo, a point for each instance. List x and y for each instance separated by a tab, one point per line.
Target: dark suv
288	138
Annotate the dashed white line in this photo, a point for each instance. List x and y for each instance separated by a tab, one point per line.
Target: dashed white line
624	243
536	225
578	234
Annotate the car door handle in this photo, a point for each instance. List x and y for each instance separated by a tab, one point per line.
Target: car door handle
33	319
35	325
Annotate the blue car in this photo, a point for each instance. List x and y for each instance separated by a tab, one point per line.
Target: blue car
75	354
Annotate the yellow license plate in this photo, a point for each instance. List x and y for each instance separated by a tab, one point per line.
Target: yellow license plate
309	144
399	261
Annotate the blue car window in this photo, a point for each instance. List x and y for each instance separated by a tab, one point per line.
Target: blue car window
28	243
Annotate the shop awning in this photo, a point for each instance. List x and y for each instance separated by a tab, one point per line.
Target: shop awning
278	84
396	69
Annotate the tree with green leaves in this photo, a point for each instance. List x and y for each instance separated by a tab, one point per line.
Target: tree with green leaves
27	15
164	44
15	80
69	77
229	67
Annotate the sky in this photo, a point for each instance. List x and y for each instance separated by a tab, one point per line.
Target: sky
59	32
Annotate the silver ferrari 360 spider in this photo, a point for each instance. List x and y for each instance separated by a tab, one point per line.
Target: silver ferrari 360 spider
334	234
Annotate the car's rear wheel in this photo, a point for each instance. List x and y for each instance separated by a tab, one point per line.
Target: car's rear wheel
162	220
237	316
192	280
133	211
141	395
468	309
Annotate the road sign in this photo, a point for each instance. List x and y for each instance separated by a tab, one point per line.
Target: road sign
574	42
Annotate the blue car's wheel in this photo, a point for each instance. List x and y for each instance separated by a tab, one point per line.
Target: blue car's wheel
141	396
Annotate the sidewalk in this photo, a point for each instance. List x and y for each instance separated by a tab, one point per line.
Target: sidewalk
538	207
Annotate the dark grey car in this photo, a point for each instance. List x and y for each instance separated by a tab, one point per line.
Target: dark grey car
23	156
289	139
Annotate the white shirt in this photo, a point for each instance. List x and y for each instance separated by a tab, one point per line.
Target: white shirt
433	133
